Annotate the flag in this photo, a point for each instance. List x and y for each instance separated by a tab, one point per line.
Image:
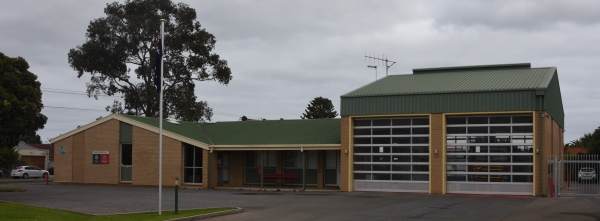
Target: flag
157	70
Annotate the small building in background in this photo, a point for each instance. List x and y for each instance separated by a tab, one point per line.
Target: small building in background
575	150
50	148
30	155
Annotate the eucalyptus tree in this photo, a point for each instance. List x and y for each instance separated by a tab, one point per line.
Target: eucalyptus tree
120	50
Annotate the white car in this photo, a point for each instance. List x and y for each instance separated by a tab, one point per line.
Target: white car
28	171
586	174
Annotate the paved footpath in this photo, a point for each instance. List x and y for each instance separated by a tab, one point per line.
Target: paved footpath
261	205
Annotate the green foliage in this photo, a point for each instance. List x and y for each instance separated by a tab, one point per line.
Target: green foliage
319	108
127	37
591	141
8	157
20	101
31	138
15	211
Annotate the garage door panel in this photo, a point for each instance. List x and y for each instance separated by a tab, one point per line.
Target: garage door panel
489	154
391	186
391	154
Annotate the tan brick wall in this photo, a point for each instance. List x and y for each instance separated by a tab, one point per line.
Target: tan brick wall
547	149
146	158
78	150
538	157
214	173
346	155
77	166
552	144
205	154
436	164
63	164
212	182
103	137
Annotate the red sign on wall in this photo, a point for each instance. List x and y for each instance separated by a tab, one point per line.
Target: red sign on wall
100	157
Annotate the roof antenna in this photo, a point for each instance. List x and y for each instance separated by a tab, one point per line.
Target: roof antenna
375	67
381	58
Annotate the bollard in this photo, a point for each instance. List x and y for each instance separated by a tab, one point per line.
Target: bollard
47	175
176	194
551	187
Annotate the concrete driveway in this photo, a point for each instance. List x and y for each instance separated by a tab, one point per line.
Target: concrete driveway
261	205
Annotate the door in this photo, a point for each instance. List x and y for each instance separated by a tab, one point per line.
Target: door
126	162
223	164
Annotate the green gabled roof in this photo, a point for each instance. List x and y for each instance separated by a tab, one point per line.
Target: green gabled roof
483	88
266	132
186	129
273	132
488	78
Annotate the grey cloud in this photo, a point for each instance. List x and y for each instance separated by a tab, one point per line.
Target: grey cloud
520	15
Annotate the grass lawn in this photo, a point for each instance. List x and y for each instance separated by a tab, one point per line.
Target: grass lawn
9	188
15	211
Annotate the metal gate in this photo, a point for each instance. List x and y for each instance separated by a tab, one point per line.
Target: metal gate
574	175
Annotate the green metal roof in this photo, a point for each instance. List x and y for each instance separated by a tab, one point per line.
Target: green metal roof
458	81
267	132
485	88
187	129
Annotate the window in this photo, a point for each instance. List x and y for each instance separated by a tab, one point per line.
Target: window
295	159
253	159
192	164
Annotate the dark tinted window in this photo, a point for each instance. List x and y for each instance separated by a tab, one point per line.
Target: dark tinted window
499	120
421	121
456	120
401	122
478	120
382	122
360	123
522	119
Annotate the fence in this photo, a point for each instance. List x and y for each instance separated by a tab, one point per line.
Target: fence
574	175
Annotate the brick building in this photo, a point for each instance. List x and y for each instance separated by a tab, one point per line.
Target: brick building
478	129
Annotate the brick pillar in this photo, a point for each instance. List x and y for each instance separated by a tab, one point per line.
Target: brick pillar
209	165
346	155
214	174
545	151
436	161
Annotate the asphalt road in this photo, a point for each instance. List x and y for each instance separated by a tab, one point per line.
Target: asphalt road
261	205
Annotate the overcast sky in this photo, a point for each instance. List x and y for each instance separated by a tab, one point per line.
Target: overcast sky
285	53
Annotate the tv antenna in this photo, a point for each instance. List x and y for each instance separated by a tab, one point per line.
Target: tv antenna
380	58
375	67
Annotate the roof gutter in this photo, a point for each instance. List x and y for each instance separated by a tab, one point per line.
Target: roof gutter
300	147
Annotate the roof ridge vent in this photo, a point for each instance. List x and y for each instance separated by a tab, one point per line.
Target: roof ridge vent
471	68
173	121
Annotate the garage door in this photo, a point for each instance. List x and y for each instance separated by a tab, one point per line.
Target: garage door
391	154
490	154
38	161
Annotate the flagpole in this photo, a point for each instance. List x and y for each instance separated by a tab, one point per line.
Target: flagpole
162	37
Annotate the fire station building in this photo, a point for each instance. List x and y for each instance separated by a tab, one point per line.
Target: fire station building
472	130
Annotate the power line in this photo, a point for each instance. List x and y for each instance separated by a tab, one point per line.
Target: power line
87	109
63	91
73	108
52	90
